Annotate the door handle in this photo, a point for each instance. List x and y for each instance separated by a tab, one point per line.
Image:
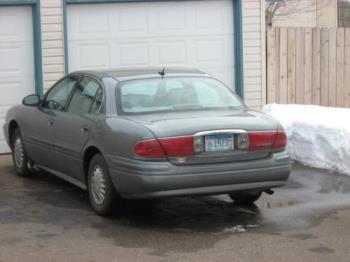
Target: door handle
51	122
84	129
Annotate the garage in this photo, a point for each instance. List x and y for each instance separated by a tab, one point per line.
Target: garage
17	63
196	34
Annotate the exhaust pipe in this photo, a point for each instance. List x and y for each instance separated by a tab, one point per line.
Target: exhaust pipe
269	191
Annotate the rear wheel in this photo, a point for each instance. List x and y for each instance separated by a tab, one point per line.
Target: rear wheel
19	156
245	198
103	196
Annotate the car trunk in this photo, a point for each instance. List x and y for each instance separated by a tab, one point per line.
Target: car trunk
207	124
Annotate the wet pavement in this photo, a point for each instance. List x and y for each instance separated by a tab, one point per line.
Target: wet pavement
43	218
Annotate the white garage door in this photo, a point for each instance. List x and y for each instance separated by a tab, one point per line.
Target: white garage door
16	60
188	33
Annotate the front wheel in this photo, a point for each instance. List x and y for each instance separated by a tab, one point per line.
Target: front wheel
19	155
103	196
245	198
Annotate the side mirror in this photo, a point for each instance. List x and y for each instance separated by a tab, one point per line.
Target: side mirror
31	100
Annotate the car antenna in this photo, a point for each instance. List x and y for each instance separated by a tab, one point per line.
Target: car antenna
162	73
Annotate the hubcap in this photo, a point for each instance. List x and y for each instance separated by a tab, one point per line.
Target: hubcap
19	152
98	185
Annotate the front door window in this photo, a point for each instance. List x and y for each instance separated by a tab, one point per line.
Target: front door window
58	96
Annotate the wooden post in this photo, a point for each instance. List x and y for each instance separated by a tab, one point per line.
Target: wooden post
324	66
316	65
271	65
308	67
291	65
283	84
346	93
340	67
300	69
332	79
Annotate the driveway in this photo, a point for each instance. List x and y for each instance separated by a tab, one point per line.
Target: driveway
46	219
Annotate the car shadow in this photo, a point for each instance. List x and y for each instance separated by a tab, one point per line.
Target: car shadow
187	214
64	203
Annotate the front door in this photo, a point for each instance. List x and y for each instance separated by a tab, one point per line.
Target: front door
42	134
74	126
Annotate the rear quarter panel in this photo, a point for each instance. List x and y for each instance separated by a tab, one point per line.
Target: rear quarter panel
119	137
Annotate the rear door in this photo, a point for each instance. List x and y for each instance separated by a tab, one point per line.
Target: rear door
74	126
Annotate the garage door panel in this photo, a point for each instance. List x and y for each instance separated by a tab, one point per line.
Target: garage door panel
222	73
134	53
17	60
209	19
177	56
3	145
131	21
172	18
15	89
210	51
95	22
91	24
187	33
15	25
89	55
213	17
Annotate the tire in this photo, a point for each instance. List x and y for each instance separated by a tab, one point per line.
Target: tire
245	198
102	194
19	156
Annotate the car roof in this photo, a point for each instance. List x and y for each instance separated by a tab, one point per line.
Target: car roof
137	73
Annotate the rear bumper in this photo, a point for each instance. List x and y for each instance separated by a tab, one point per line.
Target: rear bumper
144	179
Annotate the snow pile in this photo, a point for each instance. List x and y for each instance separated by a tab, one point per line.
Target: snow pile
317	136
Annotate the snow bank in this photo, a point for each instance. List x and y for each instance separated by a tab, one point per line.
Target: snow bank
317	136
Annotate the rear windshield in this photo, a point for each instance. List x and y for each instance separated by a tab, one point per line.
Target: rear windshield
175	94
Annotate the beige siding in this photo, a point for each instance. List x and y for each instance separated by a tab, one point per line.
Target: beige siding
52	41
327	13
253	54
307	13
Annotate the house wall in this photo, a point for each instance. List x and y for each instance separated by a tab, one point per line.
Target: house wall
253	46
52	41
307	13
254	53
327	13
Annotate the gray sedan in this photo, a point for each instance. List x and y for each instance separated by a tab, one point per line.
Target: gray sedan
148	133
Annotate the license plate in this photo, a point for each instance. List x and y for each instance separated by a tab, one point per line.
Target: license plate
218	143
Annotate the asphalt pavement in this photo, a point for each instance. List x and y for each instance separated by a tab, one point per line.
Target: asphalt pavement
43	218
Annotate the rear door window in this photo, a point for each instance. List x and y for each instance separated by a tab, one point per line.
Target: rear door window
175	94
87	97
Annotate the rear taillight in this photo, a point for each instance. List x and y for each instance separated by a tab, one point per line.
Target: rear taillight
149	148
172	147
261	140
280	140
178	146
267	140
